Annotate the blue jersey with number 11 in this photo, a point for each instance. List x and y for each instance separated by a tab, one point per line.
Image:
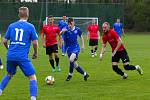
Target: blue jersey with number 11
20	34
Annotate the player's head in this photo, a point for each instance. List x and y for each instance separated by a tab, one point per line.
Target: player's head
51	19
118	20
71	22
106	27
93	21
64	17
23	13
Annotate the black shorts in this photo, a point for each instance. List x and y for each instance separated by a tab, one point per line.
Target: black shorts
52	49
93	42
123	55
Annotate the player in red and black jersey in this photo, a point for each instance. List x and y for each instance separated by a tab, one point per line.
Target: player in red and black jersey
50	32
118	51
93	36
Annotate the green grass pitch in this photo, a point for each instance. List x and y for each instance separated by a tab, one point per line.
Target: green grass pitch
103	83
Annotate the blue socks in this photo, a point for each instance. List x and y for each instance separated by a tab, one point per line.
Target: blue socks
33	85
33	88
80	70
4	82
71	67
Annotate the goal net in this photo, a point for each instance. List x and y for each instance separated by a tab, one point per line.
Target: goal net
81	22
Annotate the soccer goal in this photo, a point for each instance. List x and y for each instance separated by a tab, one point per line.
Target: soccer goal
82	22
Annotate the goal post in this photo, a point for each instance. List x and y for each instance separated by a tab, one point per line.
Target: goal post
81	22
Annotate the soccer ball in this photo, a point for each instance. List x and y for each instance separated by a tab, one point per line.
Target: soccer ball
49	80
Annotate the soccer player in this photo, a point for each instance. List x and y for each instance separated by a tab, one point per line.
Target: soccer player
118	51
63	24
71	34
93	35
20	34
118	27
50	32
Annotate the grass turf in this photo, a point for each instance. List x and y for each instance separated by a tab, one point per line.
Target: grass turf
103	83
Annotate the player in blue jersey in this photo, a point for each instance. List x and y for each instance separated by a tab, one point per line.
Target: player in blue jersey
21	34
63	24
118	27
71	34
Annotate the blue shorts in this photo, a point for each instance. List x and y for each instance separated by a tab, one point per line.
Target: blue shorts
26	67
76	51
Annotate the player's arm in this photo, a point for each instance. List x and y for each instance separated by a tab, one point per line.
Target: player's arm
63	31
60	41
43	39
7	37
5	42
35	48
82	41
98	34
103	49
34	38
118	45
88	35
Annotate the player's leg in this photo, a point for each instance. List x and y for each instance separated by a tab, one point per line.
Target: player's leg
55	50
127	66
33	87
71	56
92	47
1	65
116	69
51	60
80	70
49	52
92	51
57	61
63	47
11	70
95	47
29	71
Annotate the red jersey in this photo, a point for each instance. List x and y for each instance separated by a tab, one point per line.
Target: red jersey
93	31
51	33
111	36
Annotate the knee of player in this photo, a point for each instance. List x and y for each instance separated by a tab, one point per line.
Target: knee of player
71	60
32	77
56	55
50	57
10	75
126	67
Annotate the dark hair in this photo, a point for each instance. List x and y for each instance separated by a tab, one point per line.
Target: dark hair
70	20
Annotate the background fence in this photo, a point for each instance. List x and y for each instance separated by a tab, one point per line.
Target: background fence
105	12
